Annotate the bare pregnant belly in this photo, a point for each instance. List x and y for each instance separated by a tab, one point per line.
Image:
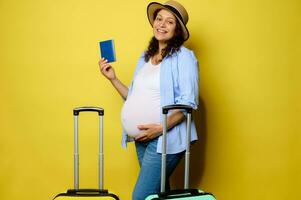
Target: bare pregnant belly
139	110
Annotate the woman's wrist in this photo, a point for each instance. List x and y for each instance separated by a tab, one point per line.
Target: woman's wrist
114	80
160	129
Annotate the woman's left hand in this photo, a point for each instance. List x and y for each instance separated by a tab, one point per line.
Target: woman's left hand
149	132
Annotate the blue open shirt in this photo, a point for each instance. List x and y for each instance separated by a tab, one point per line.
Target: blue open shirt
179	80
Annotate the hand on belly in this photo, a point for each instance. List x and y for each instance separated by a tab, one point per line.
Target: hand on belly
148	132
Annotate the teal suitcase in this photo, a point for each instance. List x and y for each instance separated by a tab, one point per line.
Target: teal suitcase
186	193
84	194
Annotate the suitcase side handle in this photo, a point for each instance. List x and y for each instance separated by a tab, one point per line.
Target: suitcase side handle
86	191
76	111
176	192
185	193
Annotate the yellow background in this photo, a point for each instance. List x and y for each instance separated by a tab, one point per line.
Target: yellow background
248	120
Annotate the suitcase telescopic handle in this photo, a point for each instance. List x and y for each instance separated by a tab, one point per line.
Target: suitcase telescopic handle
100	112
76	111
188	110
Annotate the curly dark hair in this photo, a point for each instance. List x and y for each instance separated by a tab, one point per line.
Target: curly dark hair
173	45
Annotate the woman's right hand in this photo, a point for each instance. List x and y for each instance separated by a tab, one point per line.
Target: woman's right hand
106	69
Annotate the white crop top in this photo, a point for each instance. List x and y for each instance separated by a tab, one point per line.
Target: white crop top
143	105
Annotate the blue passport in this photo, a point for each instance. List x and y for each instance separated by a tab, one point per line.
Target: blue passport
107	50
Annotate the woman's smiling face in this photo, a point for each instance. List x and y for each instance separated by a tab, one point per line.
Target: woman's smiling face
164	26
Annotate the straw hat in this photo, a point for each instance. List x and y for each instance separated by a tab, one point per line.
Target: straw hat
173	6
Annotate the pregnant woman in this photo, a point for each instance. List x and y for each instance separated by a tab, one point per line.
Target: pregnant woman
166	73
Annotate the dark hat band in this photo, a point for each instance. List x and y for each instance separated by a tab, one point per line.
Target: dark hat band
175	11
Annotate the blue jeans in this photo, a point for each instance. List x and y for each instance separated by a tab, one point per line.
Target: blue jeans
149	179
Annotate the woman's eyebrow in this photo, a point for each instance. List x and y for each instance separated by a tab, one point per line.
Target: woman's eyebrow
166	17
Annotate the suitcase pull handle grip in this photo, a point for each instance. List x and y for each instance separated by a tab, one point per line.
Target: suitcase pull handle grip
187	108
76	111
